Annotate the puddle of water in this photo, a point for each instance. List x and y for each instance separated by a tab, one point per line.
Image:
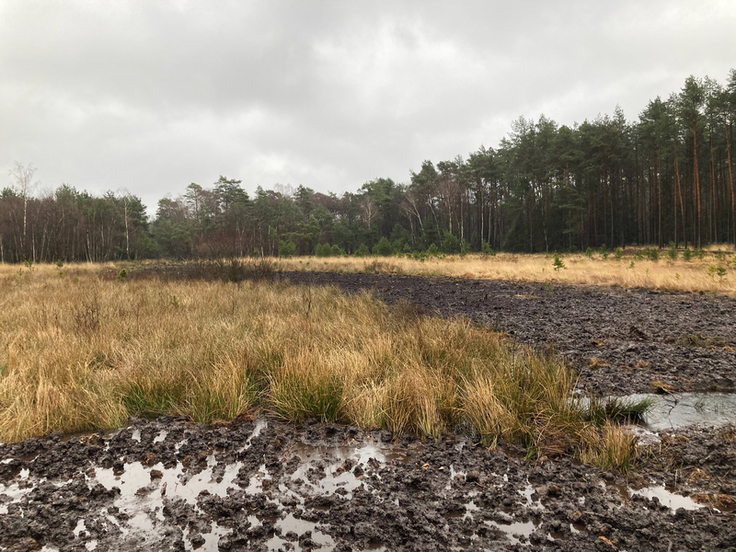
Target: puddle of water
16	490
337	475
516	529
577	528
453	474
470	508
142	497
665	497
300	526
335	479
211	539
79	528
527	493
686	409
261	424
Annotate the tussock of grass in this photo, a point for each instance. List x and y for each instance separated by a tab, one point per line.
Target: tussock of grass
611	448
86	351
618	410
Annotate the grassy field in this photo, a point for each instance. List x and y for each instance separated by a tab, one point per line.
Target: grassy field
81	351
710	271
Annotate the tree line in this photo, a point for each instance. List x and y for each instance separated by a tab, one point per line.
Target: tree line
666	178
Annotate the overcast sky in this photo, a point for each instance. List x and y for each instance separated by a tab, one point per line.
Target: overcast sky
148	96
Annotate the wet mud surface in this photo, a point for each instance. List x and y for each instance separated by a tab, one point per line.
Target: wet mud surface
621	341
262	485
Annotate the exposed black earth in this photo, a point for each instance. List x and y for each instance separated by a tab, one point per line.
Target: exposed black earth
171	485
261	485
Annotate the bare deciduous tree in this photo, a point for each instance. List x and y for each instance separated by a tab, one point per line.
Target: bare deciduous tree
22	177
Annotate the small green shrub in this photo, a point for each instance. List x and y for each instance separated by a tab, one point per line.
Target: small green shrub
450	244
59	263
557	263
650	253
618	253
687	254
603	250
323	250
672	252
122	275
383	247
714	271
486	249
362	251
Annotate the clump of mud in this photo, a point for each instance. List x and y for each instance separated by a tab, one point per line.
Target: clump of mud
262	485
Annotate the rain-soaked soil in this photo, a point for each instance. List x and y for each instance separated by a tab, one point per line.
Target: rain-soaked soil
621	341
258	484
262	485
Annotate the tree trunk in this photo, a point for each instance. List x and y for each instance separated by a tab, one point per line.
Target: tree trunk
730	181
679	194
696	182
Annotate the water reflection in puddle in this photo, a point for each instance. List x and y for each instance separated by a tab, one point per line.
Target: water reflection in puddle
516	529
144	490
665	497
321	471
294	528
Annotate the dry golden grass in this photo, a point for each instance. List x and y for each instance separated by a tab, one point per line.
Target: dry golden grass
80	351
665	274
611	448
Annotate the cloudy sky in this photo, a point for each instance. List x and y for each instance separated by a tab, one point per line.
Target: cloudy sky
148	96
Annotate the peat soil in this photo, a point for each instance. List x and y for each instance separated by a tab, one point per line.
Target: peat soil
258	484
261	485
621	341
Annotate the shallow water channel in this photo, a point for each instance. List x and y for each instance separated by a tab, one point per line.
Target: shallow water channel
686	409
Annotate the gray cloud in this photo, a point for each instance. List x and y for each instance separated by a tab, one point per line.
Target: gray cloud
150	96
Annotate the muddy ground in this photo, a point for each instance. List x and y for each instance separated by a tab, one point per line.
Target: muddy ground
258	484
621	341
261	485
